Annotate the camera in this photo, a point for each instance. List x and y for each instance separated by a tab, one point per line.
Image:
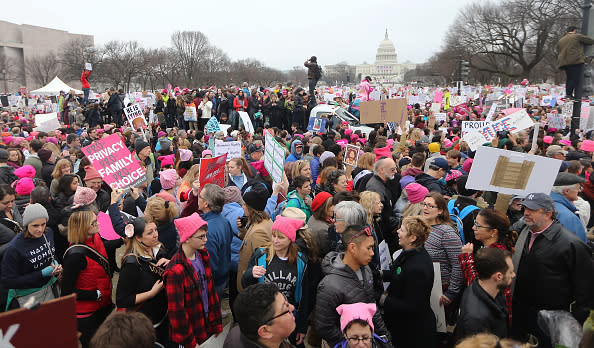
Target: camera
243	220
502	134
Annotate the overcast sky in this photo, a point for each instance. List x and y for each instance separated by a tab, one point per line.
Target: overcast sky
279	33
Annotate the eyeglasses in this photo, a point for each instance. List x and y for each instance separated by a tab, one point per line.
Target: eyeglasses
287	305
427	205
366	230
481	226
355	340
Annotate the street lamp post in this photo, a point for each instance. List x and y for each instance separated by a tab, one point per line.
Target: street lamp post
5	81
577	104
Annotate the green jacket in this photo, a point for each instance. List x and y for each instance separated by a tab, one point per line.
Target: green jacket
295	201
571	49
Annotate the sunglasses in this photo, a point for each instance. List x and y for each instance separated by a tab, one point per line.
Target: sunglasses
366	231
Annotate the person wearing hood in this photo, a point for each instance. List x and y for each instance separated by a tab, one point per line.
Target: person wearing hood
348	279
296	151
437	169
565	190
6	172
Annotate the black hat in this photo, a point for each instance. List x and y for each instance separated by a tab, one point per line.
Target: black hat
139	145
255	147
461	185
565	178
256	198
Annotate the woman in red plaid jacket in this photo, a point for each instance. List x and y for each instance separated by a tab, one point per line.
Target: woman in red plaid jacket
194	307
491	228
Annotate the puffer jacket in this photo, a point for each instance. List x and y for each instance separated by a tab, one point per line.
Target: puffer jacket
429	182
342	286
479	312
293	157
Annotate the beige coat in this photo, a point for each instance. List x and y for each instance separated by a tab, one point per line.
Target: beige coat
258	236
571	49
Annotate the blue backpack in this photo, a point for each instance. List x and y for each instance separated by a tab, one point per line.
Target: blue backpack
457	216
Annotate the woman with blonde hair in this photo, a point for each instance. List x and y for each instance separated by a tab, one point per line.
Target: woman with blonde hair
186	184
140	286
487	340
62	168
239	172
364	171
163	213
87	272
301	167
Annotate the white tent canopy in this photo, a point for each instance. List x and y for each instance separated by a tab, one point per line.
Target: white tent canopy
54	88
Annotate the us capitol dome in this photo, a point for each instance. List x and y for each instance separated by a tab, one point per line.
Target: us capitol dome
385	70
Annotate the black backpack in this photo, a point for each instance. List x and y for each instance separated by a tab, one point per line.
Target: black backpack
318	72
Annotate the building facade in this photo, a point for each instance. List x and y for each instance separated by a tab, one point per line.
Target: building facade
386	70
19	42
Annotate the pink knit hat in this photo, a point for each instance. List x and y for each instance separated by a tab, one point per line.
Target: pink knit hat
587	146
382	152
287	226
348	132
565	142
359	310
467	165
185	155
27	171
166	160
83	196
206	152
547	139
24	186
187	226
168	178
416	192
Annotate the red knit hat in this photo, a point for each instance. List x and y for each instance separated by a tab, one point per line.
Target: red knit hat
287	226
187	226
319	200
91	173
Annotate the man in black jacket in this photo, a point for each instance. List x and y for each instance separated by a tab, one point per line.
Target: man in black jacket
6	172
483	306
554	270
437	169
116	106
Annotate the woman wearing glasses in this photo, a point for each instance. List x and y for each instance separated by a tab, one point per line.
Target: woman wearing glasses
491	229
87	272
194	307
356	323
283	264
444	245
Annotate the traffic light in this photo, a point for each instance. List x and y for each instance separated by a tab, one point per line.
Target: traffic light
588	89
464	69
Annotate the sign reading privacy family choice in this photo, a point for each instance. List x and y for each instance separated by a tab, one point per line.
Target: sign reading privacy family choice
114	162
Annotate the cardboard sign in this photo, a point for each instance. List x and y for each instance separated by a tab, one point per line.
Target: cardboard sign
512	173
88	66
512	123
436	292
212	170
212	125
317	125
47	122
190	114
351	155
31	328
247	122
471	126
381	111
274	158
135	116
114	162
231	148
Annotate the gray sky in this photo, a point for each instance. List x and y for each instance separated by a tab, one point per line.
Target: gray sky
279	33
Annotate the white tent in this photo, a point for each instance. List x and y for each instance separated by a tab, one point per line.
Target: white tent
54	88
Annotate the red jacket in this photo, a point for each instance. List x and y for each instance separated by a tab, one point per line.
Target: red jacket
240	106
93	277
84	79
189	325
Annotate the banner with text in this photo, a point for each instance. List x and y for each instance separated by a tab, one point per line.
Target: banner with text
135	116
212	170
231	148
512	123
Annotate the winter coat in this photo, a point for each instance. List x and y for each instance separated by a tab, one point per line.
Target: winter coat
319	233
566	214
295	201
7	175
235	339
571	49
429	182
551	275
342	286
257	236
311	70
389	222
444	246
364	90
479	312
36	163
218	243
7	234
84	79
293	157
231	211
240	105
115	103
407	309
253	105
46	173
169	237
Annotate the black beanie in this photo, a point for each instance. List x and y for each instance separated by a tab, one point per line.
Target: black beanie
139	145
256	199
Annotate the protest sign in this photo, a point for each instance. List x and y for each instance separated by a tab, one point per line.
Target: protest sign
436	292
556	121
106	230
457	100
247	122
435	107
212	170
381	111
491	112
231	148
88	66
135	116
470	126
440	117
212	125
375	95
114	162
512	123
274	158
438	97
567	109
351	155
51	322
317	125
512	173
47	122
190	114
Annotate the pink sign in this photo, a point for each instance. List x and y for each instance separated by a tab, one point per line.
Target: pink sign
438	97
106	228
114	162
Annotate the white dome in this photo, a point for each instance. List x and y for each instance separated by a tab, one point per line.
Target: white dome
386	52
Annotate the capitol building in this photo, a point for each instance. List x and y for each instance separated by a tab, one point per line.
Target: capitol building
386	70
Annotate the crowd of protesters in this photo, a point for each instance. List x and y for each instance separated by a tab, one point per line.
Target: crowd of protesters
331	256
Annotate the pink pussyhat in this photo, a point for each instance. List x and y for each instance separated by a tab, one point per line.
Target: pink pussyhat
359	310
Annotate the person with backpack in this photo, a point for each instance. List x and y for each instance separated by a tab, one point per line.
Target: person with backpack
463	210
314	73
300	198
283	264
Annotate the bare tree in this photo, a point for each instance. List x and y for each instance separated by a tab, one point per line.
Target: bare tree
73	56
123	62
42	69
189	48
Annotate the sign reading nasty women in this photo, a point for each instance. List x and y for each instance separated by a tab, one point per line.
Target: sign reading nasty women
114	162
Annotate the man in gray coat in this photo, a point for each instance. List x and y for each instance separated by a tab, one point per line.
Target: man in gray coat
348	279
571	58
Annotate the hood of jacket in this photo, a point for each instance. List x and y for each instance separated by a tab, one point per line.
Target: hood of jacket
293	151
332	264
425	179
559	198
412	172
